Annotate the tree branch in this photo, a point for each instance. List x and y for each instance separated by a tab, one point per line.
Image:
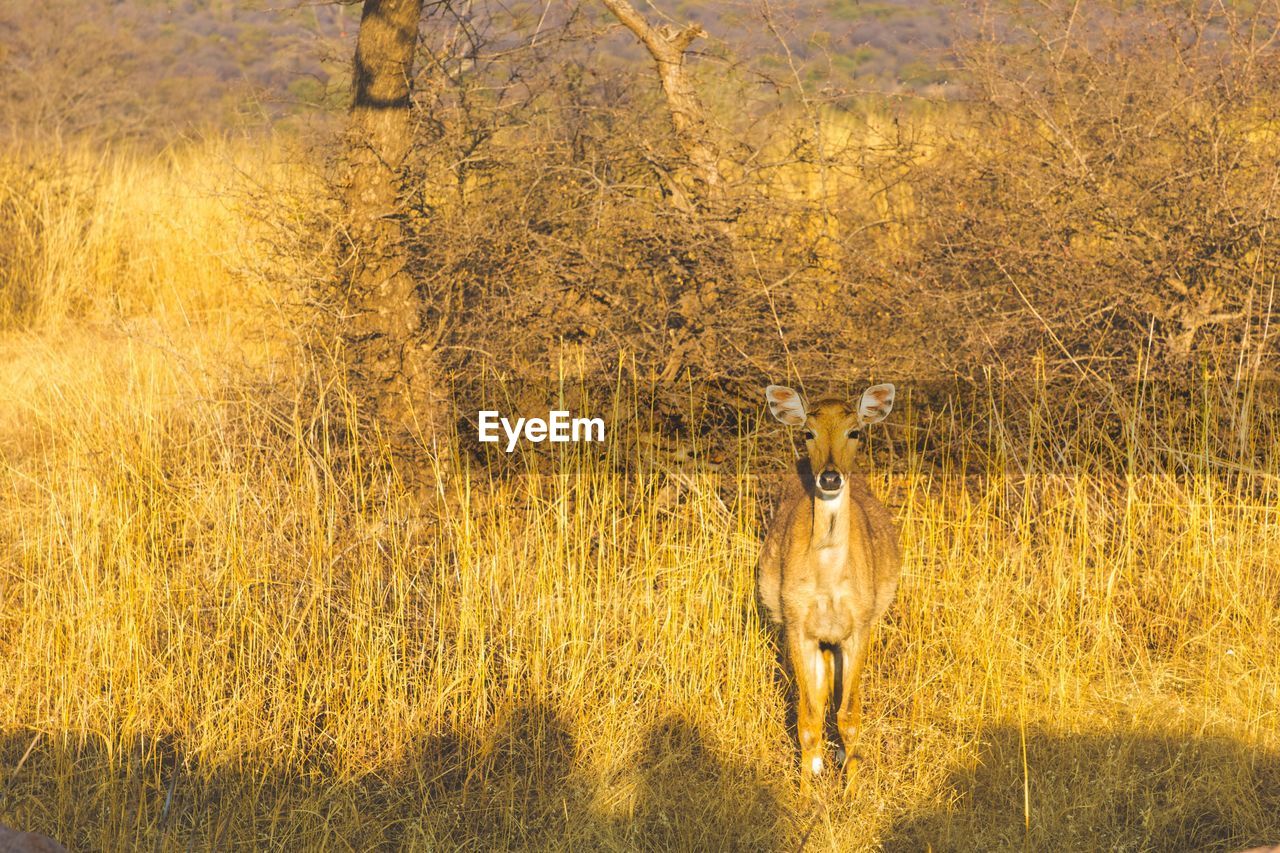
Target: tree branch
667	46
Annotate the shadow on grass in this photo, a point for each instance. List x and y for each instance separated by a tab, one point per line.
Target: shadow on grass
689	799
523	787
528	785
1113	791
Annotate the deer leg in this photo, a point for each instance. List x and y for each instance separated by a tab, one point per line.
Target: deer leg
811	678
853	657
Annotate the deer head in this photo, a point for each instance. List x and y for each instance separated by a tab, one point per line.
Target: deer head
832	429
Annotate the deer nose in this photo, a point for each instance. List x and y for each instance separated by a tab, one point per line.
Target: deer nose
829	480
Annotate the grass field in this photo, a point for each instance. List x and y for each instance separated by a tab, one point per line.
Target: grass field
223	626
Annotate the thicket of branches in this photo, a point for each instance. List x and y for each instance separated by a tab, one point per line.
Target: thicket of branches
1113	186
1107	190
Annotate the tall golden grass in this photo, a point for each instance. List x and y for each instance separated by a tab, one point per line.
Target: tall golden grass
223	625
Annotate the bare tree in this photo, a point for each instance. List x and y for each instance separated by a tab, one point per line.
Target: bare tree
668	47
389	366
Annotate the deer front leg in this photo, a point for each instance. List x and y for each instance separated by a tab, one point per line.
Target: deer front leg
811	680
853	657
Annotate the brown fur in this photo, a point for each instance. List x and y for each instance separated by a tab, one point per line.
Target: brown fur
828	591
15	841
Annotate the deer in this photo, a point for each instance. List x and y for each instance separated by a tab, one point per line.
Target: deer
829	565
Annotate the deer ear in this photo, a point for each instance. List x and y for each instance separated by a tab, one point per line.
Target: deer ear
785	405
877	401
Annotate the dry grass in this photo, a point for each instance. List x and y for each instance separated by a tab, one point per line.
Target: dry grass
220	626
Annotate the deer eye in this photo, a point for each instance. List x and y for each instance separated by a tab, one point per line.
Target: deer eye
855	432
808	435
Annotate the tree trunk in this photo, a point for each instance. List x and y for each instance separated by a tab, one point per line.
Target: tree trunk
689	342
667	46
387	364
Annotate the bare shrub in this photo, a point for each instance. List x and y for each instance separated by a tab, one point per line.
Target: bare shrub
1114	184
548	234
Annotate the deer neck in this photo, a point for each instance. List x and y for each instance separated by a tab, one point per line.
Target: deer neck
831	520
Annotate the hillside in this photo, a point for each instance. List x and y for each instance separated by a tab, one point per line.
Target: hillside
150	67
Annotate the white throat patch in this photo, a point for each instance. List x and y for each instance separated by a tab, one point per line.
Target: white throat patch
831	519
